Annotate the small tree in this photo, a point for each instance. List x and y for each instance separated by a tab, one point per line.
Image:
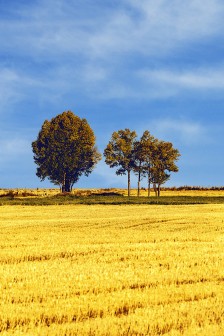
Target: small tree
64	150
145	157
159	177
120	152
164	158
138	163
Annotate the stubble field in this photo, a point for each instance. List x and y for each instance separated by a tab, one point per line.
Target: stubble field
112	270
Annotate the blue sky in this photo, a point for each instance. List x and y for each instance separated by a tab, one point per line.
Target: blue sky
155	65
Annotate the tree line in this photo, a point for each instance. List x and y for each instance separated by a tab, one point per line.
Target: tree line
65	149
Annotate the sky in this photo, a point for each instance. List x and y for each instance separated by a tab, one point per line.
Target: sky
144	65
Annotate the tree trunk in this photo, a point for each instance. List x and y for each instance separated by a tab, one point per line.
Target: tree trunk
63	184
66	184
155	189
149	184
129	183
139	178
158	190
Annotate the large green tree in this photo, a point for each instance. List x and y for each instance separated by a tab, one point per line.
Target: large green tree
120	152
65	149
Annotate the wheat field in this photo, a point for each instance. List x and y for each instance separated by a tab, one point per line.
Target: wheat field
112	270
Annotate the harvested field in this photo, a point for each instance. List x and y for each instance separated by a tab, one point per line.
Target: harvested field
112	270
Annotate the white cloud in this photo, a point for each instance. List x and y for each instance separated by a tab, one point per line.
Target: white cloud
18	85
182	19
185	127
86	48
162	83
151	27
49	28
168	82
8	92
180	130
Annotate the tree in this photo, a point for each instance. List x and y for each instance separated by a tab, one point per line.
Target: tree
120	152
138	163
163	162
144	154
64	150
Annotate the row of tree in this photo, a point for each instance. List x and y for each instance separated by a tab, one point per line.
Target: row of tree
147	157
65	149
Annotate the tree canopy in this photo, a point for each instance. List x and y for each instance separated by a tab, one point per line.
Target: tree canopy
144	154
65	149
163	162
147	156
120	152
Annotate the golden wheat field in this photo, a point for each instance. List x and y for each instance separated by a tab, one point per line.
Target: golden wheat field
112	270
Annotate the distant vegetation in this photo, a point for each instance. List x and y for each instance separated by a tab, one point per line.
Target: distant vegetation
193	188
173	195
